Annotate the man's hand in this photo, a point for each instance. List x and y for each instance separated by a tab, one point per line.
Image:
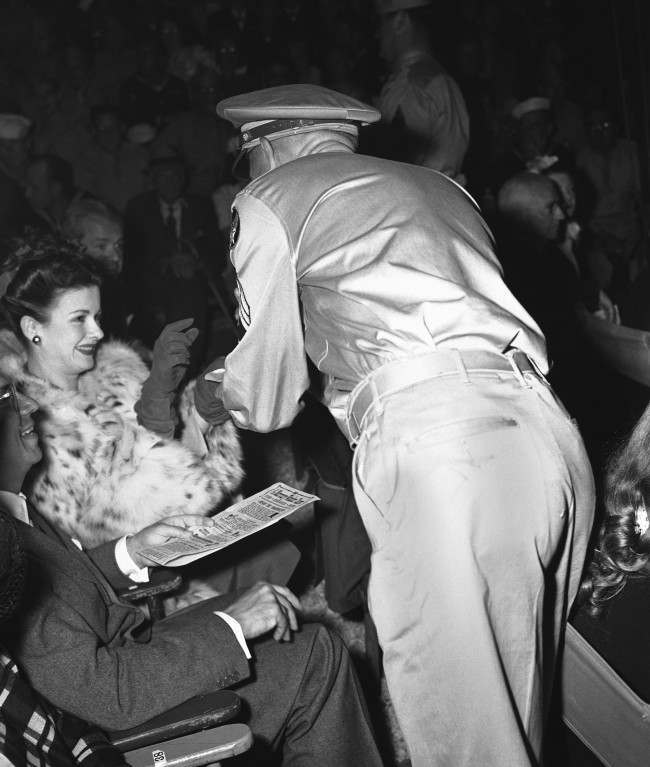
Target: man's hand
171	356
161	532
264	608
207	401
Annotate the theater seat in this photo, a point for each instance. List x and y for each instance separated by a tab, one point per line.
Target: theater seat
199	731
162	581
600	709
208	747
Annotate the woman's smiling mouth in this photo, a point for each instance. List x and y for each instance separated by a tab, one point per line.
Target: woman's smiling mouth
87	349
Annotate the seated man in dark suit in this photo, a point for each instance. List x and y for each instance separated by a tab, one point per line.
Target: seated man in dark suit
102	660
31	731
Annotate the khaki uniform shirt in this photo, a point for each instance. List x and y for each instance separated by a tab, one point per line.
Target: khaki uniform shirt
357	261
429	102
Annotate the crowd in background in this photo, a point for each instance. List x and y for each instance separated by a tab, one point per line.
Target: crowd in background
119	105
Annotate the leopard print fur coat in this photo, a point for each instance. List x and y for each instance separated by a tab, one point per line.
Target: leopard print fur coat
103	475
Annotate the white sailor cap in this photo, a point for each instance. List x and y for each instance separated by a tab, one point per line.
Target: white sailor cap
290	109
535	104
393	6
13	126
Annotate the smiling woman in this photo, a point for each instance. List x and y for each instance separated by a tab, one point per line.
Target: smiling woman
103	475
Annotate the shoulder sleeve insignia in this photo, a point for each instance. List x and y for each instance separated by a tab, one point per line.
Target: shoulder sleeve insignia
243	307
234	228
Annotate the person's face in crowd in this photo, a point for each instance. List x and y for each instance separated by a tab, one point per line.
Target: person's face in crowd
108	130
102	240
39	189
69	337
47	93
545	212
239	11
291	8
535	131
228	56
567	189
602	134
18	436
170	35
206	91
169	181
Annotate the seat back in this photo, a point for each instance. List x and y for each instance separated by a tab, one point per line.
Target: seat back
600	709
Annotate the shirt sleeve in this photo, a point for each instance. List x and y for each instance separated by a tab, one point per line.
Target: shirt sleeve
14	504
127	566
237	631
266	374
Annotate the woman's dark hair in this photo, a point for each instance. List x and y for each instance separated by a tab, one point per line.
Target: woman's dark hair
623	550
38	268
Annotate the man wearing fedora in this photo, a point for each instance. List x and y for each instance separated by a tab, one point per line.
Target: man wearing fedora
471	480
422	103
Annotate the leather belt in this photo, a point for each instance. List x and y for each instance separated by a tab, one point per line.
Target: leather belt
401	373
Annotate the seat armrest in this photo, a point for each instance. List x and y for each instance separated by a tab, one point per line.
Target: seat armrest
199	713
161	581
202	748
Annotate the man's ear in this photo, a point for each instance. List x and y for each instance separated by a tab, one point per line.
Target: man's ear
29	326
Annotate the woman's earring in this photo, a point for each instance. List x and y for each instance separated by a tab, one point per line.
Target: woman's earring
36	340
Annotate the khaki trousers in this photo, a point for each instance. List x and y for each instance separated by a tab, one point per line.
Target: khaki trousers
478	498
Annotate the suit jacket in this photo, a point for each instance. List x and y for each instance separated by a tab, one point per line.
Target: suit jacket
157	295
102	659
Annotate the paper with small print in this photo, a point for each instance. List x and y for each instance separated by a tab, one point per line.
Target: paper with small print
238	521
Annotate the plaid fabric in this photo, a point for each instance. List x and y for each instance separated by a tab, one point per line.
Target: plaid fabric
33	735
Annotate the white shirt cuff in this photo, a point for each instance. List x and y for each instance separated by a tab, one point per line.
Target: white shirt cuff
15	504
127	566
236	630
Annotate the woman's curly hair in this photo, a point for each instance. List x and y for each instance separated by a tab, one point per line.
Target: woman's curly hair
622	551
37	267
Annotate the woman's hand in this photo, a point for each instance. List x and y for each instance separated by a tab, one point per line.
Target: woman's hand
171	356
160	532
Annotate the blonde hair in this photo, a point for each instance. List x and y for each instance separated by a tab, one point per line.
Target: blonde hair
86	209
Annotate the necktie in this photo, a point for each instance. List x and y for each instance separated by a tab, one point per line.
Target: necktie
170	223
